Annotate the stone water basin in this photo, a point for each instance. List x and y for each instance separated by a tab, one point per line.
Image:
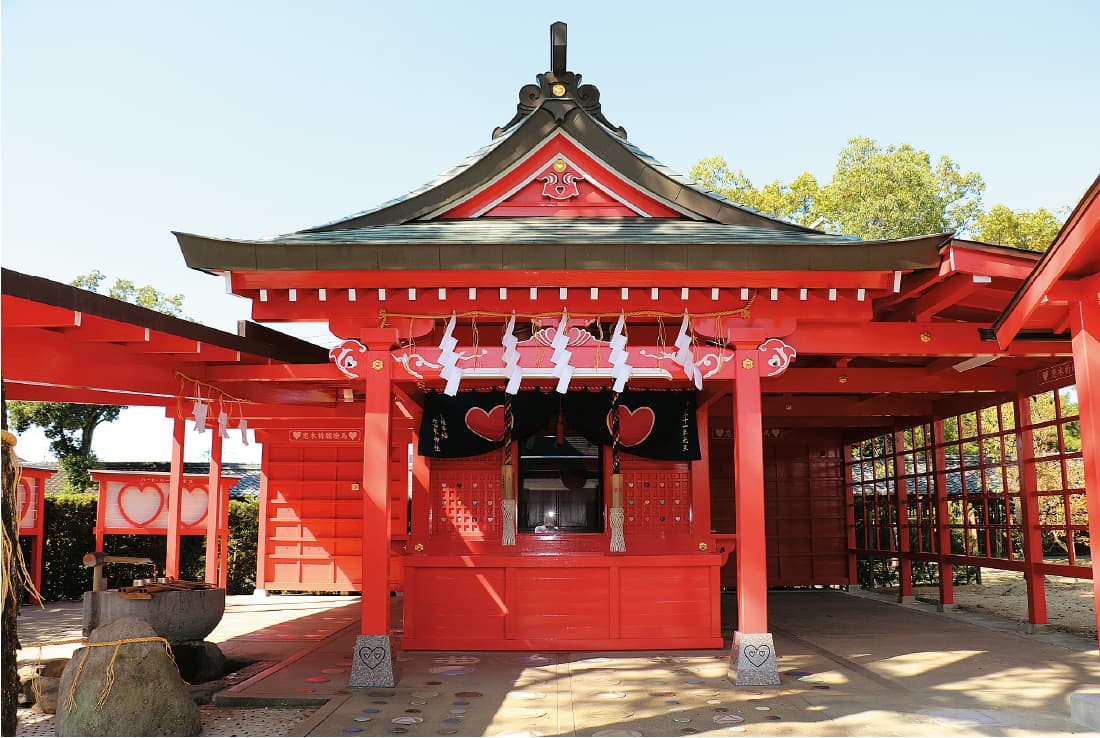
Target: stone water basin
177	616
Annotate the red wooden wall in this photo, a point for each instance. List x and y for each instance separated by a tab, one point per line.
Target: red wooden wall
312	511
804	506
465	590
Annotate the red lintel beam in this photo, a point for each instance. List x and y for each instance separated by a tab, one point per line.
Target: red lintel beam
20	313
52	393
256	411
862	381
368	309
908	339
954	289
47	357
837	405
275	373
645	278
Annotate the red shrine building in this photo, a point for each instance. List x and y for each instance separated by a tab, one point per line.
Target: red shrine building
623	394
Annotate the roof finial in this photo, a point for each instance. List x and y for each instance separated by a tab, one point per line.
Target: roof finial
559	91
557	47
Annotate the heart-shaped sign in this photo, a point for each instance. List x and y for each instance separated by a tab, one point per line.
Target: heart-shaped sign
489	425
757	655
25	497
140	505
353	435
372	656
634	425
194	505
296	435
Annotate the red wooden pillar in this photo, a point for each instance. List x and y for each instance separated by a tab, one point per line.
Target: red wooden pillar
175	493
850	506
213	507
373	647
748	469
943	519
1085	326
421	501
901	512
753	650
100	515
261	536
1029	513
223	517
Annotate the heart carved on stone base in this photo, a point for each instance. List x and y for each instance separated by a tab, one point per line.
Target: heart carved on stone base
372	657
757	655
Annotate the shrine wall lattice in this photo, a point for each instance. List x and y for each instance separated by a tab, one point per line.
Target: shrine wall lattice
1000	487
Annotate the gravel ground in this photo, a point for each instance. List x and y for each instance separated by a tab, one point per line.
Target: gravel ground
1070	605
218	721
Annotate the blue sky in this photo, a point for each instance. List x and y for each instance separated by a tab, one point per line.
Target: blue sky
122	121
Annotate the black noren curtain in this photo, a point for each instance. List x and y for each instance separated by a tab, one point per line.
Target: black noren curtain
472	423
652	423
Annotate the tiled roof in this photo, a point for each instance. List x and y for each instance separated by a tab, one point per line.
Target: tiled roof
536	230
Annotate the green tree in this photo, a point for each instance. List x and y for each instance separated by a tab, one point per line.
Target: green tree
1033	230
875	192
124	289
69	426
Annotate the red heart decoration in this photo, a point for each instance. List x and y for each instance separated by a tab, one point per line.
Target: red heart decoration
634	425
25	495
489	425
201	491
139	499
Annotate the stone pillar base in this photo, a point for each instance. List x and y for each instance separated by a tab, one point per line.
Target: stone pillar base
752	660
907	599
372	662
940	607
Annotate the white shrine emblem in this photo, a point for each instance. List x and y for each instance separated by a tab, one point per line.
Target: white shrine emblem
562	189
777	356
346	356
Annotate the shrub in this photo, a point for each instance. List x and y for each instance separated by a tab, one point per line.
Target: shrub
69	525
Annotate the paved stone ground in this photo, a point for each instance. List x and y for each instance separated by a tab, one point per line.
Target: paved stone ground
850	666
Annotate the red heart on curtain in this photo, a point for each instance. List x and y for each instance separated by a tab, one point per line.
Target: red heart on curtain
489	425
195	502
634	425
140	505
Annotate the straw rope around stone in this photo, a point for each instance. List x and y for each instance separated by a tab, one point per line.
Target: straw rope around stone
109	679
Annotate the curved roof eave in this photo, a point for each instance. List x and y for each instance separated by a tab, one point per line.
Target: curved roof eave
503	245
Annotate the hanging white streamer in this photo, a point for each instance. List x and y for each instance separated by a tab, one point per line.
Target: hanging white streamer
512	370
200	415
448	360
619	356
244	431
223	424
685	357
563	370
